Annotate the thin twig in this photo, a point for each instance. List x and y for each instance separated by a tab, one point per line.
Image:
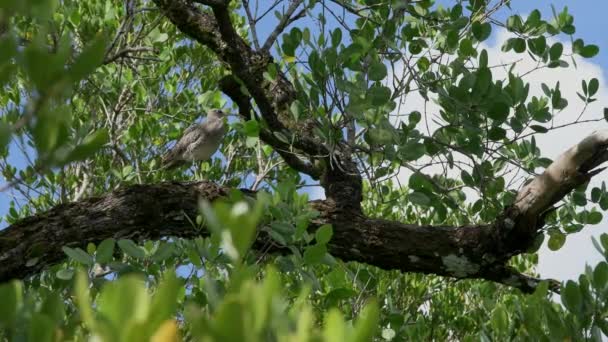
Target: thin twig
285	21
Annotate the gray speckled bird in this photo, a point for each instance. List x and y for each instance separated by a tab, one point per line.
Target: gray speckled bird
199	142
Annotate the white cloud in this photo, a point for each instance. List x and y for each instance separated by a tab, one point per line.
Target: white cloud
568	262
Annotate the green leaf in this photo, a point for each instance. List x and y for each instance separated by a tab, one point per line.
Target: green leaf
12	298
41	328
78	255
418	181
533	20
604	203
377	71
606	114
160	38
497	133
499	111
594	85
251	128
65	274
594	217
452	39
577	46
419	198
466	48
423	64
165	251
519	44
500	319
596	194
124	301
50	129
105	251
482	82
5	134
412	151
334	329
538	45
556	241
604	241
600	275
314	254
82	294
165	300
367	323
194	257
539	129
481	31
90	58
323	234
230	321
571	297
569	29
414	118
53	307
131	249
579	199
380	136
379	95
90	145
589	51
555	52
336	37
483	59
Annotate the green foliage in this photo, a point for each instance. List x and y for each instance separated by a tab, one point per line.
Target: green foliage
135	308
91	98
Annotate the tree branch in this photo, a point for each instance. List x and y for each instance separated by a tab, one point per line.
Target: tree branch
143	212
252	25
231	87
126	53
285	21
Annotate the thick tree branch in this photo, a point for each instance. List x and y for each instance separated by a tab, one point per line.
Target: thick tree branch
142	212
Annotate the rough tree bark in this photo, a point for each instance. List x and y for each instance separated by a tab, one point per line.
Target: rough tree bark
152	211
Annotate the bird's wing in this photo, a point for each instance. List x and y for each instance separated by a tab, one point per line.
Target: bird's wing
194	139
175	154
190	129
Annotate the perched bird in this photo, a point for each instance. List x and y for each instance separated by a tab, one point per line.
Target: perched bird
199	141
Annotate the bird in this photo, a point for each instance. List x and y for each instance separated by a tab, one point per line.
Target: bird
199	141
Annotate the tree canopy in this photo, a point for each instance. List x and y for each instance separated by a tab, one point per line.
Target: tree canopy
435	196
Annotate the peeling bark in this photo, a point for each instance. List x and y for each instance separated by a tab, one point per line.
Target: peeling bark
571	169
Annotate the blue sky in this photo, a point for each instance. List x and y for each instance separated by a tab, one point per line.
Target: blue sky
589	22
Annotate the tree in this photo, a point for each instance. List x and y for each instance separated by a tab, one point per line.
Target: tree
93	91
